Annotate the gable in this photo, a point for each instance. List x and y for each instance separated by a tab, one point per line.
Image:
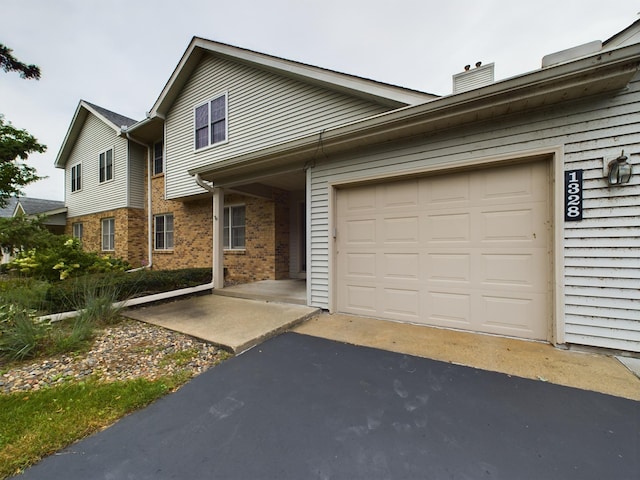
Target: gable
264	109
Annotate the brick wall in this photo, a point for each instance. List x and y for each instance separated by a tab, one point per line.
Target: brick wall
192	224
266	253
130	238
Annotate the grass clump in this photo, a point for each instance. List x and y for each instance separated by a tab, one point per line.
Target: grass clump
36	424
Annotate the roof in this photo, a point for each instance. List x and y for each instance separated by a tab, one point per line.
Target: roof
380	92
32	206
112	119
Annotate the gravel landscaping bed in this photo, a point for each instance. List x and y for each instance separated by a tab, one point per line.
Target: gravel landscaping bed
127	350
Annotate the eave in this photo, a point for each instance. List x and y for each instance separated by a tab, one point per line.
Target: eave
378	92
592	75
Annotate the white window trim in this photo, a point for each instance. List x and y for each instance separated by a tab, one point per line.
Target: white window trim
153	159
75	226
111	234
229	248
155	231
71	177
113	165
224	94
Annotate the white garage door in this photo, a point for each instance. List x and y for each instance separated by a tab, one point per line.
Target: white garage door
469	250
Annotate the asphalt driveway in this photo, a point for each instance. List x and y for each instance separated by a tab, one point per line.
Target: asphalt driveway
300	407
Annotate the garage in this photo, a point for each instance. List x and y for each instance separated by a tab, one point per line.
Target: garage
469	250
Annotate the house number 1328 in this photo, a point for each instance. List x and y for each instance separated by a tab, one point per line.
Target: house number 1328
573	195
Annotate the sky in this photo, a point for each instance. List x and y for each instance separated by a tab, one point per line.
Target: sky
120	53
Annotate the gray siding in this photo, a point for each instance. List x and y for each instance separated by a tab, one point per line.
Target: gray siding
94	197
602	252
137	182
265	109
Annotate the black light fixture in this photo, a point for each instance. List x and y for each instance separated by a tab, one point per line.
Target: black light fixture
619	170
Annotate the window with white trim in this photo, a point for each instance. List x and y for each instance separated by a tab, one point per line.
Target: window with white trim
108	234
158	160
234	227
78	231
106	166
76	177
210	121
163	227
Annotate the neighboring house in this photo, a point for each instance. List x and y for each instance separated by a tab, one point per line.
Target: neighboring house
104	183
53	213
489	210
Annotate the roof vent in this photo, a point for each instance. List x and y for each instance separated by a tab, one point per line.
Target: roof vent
472	78
571	53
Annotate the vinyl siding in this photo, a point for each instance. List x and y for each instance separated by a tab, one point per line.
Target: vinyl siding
137	182
96	137
265	109
602	252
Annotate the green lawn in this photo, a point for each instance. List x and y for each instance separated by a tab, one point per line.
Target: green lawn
39	423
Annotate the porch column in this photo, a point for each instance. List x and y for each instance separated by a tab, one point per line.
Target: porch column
218	245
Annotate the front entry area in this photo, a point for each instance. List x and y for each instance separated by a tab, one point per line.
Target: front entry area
469	250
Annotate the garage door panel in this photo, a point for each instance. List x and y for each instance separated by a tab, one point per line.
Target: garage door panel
448	309
515	316
361	265
400	230
469	250
401	304
401	266
361	231
454	227
445	191
448	267
404	194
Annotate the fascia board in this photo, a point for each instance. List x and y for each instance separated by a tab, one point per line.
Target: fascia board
616	65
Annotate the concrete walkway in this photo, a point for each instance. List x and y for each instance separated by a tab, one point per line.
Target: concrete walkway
233	323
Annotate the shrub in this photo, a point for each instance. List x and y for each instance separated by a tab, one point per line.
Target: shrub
63	258
20	335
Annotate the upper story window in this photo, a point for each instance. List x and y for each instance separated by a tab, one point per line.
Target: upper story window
211	122
234	227
158	160
76	177
106	166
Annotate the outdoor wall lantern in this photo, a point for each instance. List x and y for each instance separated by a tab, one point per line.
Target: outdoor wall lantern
619	170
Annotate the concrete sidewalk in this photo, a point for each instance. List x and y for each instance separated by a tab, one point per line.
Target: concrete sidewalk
233	323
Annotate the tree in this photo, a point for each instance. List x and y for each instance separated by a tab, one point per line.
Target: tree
11	64
16	144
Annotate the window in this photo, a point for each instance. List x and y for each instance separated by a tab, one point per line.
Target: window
211	122
164	231
158	163
234	227
108	234
106	166
78	230
76	177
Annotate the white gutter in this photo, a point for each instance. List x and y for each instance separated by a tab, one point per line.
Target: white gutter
208	186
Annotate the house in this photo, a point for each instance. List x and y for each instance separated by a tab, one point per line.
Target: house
508	207
53	213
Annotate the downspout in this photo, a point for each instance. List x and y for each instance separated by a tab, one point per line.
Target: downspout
149	210
208	186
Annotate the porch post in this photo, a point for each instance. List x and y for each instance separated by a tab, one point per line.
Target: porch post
218	245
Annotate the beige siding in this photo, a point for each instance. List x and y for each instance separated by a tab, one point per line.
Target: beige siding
137	183
96	137
265	109
602	266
